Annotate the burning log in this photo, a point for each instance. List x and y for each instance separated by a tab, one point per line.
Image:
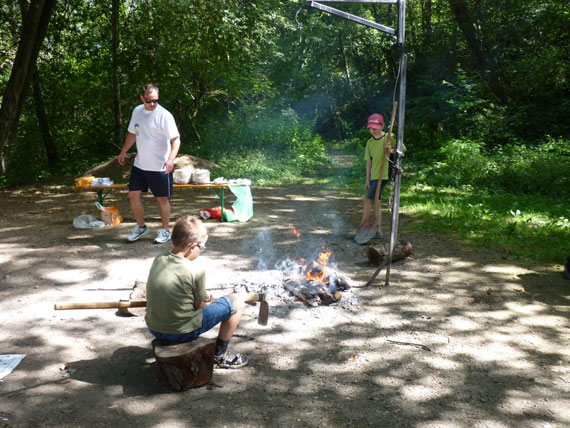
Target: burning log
329	276
377	254
325	295
317	284
314	293
302	292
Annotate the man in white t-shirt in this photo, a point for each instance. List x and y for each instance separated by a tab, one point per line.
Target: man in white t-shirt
154	130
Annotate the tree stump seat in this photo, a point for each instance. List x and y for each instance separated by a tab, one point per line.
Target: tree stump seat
185	365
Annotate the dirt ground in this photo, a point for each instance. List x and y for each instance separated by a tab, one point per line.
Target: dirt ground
460	338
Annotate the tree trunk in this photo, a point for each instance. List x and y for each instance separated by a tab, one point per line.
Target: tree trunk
426	20
345	61
34	29
483	62
152	48
196	133
118	123
43	123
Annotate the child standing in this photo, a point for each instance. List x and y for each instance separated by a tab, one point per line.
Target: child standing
178	307
376	148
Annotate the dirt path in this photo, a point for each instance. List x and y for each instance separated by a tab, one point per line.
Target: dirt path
495	335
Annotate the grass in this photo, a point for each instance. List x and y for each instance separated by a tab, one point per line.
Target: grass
529	228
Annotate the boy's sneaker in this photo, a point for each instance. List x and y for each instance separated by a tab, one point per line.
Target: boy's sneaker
137	233
162	237
229	360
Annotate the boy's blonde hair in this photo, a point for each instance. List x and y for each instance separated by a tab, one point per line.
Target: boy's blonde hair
188	230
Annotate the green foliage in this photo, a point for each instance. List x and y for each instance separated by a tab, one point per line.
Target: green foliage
465	160
535	229
264	146
540	169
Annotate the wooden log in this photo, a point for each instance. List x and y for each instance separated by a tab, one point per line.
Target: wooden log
330	275
185	365
302	292
377	254
324	294
138	292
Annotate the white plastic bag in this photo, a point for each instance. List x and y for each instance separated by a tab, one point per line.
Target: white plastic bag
86	221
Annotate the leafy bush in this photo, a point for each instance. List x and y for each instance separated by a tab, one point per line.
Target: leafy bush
465	160
541	169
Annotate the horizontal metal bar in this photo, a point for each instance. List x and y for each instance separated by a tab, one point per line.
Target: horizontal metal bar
352	17
359	1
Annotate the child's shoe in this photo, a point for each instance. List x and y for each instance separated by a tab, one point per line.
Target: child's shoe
229	360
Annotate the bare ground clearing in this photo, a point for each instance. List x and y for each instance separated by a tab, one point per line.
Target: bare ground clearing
495	334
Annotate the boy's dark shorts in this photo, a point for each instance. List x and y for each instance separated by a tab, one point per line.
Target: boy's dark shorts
159	182
371	192
213	314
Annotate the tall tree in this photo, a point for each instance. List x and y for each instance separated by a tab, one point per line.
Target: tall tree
34	29
43	122
485	63
115	61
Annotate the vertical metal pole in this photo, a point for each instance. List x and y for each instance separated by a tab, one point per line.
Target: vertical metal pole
400	145
401	23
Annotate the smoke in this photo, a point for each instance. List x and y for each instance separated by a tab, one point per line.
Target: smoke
265	252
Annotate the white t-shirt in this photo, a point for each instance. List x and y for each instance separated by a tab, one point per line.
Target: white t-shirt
154	130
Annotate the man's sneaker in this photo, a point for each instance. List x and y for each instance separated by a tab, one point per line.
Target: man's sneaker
229	360
137	233
162	237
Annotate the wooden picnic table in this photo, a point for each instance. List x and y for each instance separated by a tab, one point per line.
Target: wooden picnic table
216	188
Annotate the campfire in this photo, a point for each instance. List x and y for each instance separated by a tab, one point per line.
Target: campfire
315	283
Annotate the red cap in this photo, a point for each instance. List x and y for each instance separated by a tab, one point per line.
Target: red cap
376	121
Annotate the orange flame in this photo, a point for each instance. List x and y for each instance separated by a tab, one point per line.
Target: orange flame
324	257
294	232
319	274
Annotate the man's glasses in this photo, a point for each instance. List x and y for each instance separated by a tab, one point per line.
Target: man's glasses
151	101
201	246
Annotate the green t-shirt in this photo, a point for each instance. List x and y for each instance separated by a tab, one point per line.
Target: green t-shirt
374	150
174	284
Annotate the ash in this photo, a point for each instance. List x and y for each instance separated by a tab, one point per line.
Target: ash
272	282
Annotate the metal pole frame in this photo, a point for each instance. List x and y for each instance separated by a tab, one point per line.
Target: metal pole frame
400	34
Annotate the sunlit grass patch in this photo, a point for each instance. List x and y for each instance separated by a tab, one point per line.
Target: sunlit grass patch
530	228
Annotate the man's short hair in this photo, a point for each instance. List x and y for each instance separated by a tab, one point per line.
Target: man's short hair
188	230
149	87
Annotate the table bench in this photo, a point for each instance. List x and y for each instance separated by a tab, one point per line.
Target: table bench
215	188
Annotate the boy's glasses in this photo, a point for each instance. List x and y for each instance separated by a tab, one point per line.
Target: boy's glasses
146	100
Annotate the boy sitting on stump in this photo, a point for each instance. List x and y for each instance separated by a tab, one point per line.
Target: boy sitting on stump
179	308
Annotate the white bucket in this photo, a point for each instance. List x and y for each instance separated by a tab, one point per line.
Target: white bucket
182	176
201	176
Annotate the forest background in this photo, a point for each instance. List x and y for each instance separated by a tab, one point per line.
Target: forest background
269	89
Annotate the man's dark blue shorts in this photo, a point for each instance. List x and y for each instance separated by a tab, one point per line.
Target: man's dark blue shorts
159	182
371	192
